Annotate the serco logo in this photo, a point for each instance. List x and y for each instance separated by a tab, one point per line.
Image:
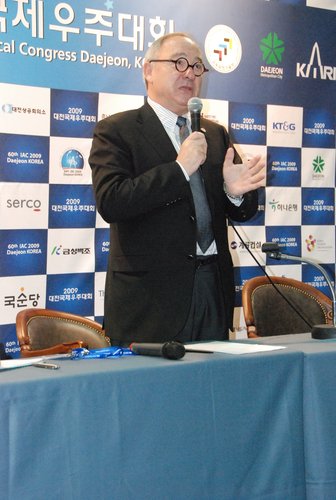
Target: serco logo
35	205
72	159
222	48
317	70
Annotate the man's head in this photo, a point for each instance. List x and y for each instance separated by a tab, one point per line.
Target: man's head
170	70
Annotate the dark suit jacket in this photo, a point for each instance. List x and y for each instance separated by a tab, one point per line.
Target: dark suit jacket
143	194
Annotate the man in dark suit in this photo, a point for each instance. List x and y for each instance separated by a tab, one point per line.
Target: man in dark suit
160	284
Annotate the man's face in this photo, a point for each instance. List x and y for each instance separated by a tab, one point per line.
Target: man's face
166	85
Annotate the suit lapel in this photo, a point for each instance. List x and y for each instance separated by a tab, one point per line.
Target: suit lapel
154	132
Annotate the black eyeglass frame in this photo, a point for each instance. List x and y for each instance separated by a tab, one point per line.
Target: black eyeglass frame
175	61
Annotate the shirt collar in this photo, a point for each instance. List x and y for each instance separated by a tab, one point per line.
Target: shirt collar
167	117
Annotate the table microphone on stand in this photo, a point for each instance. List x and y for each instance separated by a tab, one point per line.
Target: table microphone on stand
318	331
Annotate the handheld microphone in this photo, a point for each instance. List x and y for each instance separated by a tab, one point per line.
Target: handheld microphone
195	106
170	350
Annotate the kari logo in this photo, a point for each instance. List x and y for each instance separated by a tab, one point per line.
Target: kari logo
315	69
223	48
310	243
272	48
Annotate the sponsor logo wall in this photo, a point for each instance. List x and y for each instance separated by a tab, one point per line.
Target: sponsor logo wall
81	61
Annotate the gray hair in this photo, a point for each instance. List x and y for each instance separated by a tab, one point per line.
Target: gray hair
154	49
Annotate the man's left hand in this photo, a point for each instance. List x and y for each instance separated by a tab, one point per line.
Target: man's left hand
240	178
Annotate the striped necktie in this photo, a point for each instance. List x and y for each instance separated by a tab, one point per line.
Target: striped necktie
203	216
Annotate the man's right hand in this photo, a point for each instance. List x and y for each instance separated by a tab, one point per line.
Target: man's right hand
193	152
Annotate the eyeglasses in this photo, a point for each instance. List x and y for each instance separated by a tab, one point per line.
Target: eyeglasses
182	64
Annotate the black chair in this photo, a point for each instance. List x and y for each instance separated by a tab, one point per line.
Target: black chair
42	332
267	313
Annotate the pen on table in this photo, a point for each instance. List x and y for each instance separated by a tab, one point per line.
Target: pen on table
199	350
49	366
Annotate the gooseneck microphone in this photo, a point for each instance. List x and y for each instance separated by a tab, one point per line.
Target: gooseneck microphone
170	350
318	331
195	106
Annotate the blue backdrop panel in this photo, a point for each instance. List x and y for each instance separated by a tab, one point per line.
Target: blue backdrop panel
65	65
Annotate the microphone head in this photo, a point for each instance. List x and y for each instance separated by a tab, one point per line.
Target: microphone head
270	247
272	250
195	105
173	350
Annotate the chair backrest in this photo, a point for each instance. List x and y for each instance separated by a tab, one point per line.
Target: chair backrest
44	331
267	313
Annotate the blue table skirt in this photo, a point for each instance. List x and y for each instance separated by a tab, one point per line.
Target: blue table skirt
319	404
209	426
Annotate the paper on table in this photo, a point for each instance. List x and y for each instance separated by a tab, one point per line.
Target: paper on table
233	347
7	364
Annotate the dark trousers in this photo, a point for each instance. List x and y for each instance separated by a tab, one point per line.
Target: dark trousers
207	318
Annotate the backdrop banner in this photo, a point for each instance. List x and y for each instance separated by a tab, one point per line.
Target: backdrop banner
66	65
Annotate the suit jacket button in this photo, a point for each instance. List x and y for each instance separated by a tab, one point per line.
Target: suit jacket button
192	218
191	257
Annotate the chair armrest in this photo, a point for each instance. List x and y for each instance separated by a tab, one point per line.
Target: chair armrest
63	348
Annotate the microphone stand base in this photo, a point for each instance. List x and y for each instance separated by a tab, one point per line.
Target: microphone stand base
323	332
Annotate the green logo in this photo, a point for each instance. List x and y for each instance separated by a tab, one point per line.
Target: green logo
273	204
272	48
318	164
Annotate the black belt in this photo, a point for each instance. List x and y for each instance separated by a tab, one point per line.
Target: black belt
204	261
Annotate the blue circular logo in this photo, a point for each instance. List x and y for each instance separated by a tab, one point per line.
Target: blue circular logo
7	108
72	159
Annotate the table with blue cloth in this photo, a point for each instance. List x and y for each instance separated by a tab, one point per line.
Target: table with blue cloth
208	426
319	408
